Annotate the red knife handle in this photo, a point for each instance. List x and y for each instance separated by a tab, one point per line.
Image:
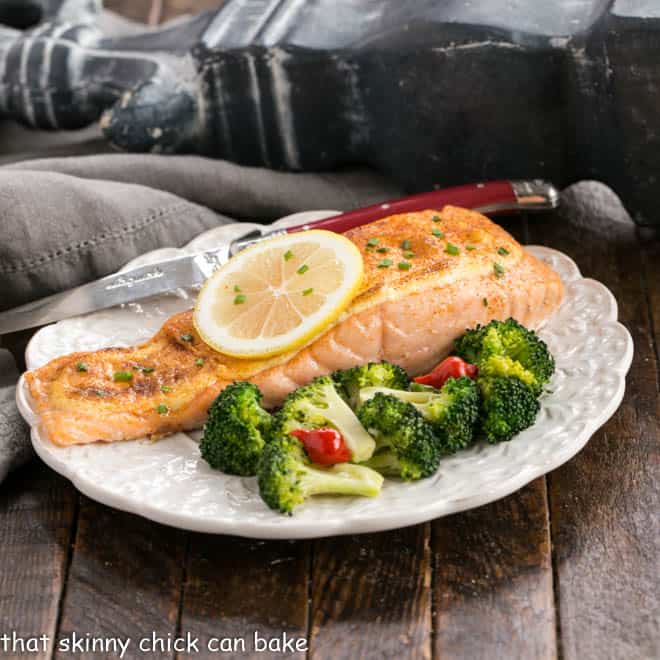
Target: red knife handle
492	197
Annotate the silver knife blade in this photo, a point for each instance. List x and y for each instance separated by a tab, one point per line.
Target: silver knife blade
127	286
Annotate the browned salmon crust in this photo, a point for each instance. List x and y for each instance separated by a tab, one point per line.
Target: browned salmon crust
410	317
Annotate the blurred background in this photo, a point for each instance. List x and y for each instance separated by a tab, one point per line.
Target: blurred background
154	12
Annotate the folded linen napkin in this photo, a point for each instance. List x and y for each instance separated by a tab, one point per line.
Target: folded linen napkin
70	219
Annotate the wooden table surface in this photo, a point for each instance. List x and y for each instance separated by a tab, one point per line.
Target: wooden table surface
567	567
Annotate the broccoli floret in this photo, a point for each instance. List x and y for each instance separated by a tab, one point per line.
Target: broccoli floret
506	348
374	374
452	410
319	405
399	428
235	432
508	406
286	477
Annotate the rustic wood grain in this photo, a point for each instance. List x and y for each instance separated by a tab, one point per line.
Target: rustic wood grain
650	243
125	579
236	587
604	503
371	596
493	594
37	512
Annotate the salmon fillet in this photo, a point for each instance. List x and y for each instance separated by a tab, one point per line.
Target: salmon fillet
409	317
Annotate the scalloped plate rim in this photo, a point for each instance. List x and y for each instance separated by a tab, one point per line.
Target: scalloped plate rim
279	527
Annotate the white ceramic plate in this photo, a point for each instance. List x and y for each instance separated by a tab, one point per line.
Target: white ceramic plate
168	482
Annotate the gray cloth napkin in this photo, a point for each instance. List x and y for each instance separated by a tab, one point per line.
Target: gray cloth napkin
67	220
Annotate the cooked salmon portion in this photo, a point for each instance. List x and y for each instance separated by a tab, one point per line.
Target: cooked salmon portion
465	270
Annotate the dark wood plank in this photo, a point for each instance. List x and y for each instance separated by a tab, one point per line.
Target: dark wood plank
37	514
604	502
238	587
371	596
125	580
493	592
650	243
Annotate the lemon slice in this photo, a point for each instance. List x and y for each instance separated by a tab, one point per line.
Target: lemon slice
278	294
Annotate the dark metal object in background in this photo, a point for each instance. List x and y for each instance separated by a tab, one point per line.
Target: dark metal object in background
431	92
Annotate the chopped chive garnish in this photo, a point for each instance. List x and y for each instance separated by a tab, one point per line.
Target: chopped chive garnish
122	376
502	251
187	337
404	265
303	269
436	218
437	233
288	255
99	392
144	370
308	292
499	269
81	366
165	389
237	289
470	248
384	263
405	245
452	249
372	242
485	302
383	250
240	299
199	362
408	254
162	409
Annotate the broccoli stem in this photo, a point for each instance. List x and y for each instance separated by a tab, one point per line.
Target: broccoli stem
359	442
385	462
340	479
416	398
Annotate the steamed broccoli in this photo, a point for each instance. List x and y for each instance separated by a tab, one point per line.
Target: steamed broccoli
508	406
319	405
374	374
235	432
406	444
286	477
452	410
506	348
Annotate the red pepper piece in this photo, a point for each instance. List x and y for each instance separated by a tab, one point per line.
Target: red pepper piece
451	367
323	446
